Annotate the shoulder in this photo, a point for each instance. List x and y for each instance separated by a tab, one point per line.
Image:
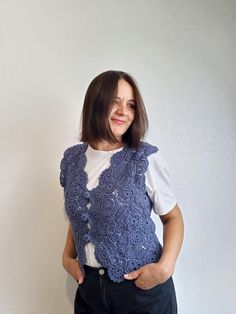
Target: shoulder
158	166
71	154
147	149
157	160
73	151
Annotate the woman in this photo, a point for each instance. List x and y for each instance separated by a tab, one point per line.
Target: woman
112	181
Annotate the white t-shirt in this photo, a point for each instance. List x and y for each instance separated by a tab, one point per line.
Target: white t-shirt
158	183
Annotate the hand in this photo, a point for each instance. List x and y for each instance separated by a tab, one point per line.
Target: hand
72	266
150	275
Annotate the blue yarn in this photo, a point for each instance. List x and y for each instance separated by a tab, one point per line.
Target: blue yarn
119	216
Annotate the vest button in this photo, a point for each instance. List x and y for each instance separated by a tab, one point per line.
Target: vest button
86	195
101	271
86	238
84	217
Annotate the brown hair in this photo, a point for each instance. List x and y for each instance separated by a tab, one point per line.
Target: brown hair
97	106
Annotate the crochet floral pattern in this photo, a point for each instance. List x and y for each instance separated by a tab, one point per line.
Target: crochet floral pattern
117	220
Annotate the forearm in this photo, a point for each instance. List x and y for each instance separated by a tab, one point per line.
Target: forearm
69	249
173	232
69	261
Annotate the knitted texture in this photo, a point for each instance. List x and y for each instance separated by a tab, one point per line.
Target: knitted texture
118	221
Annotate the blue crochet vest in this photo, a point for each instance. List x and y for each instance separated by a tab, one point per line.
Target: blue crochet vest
119	220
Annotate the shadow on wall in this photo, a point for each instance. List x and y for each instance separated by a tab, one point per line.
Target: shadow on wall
71	287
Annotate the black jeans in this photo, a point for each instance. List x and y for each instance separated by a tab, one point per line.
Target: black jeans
100	295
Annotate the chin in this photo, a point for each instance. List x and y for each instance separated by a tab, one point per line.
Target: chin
119	138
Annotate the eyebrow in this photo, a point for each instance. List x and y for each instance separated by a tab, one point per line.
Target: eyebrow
119	98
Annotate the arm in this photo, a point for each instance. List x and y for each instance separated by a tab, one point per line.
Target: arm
173	233
153	274
69	261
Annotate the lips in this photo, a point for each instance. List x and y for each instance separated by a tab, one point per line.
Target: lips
118	121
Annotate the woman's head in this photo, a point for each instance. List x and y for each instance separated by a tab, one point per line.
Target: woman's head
113	110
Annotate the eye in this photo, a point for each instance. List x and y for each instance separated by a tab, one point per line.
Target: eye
132	105
115	101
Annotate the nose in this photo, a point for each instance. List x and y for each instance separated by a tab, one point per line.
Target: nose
121	108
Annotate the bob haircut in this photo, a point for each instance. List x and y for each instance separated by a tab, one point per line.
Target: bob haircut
98	104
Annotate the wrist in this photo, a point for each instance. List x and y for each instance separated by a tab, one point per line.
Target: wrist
166	266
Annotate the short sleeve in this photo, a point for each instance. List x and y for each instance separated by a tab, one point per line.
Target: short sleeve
159	185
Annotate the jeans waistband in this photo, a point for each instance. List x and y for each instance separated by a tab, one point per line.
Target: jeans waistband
99	270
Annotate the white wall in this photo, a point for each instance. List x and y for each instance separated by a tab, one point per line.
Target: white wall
182	53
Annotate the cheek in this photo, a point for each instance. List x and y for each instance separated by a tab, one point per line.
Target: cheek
132	116
111	113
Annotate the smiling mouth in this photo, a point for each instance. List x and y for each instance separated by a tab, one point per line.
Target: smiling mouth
118	121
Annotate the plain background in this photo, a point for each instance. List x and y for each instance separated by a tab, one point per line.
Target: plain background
182	54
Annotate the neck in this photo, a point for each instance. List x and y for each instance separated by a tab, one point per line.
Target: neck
105	145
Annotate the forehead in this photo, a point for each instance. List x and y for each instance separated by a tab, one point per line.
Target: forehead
124	88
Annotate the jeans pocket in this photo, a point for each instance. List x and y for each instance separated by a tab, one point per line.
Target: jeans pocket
150	290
